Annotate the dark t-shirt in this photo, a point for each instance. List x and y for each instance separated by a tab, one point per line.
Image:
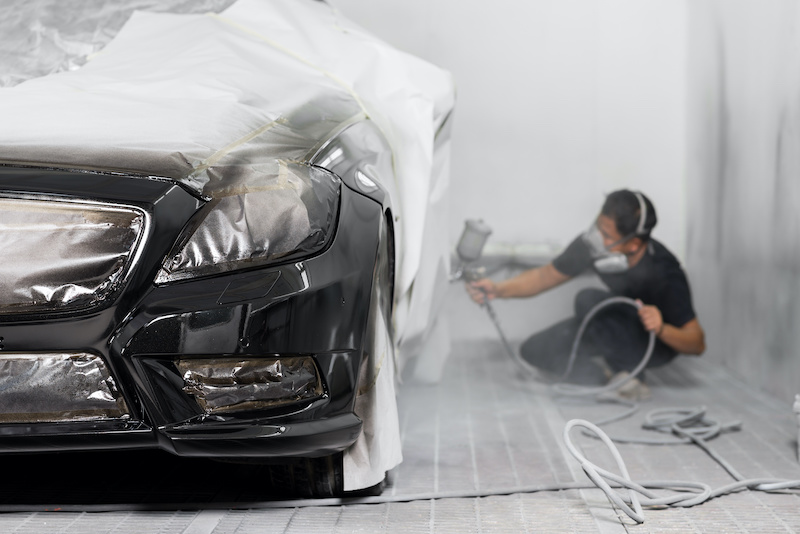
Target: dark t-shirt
657	279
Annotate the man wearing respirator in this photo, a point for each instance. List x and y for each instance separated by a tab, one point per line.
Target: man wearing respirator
617	247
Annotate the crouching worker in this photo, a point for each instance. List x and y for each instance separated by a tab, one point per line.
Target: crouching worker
618	247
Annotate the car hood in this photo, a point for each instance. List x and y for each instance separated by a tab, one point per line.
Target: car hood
197	98
215	101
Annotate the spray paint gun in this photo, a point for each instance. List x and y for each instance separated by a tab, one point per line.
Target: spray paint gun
469	250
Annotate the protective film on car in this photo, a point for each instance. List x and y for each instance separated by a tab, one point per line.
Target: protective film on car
294	213
222	385
57	387
61	255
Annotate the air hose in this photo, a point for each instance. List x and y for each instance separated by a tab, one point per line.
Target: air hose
688	426
525	366
570	389
685	493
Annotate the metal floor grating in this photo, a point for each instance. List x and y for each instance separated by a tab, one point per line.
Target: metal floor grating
482	428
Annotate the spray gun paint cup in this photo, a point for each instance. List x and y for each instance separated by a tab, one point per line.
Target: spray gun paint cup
473	238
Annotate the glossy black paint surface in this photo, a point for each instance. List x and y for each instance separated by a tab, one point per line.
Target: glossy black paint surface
360	148
317	307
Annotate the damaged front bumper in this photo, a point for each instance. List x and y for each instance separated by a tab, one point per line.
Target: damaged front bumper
261	362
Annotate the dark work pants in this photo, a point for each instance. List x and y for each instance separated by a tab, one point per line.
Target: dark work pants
615	333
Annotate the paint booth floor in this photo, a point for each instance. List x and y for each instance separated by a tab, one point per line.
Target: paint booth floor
482	428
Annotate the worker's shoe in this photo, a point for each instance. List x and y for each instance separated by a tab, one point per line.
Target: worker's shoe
634	389
587	373
606	369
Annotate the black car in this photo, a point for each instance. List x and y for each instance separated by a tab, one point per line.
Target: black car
202	236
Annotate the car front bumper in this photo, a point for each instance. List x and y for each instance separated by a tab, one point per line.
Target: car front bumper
314	308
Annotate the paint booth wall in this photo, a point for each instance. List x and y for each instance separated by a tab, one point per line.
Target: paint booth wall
743	168
559	102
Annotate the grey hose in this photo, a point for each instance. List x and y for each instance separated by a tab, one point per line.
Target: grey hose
521	363
686	425
686	493
525	366
570	389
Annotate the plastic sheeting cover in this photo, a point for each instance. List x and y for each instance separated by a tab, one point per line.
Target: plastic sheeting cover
42	37
295	213
223	385
62	255
186	97
216	101
36	388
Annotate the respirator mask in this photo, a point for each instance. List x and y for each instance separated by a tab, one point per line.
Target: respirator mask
606	261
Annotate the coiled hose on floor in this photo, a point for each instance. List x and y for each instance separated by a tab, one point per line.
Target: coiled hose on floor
684	493
686	425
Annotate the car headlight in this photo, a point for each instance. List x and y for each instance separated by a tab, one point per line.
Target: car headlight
287	215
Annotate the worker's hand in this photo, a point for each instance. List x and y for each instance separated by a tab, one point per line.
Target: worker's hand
482	290
650	317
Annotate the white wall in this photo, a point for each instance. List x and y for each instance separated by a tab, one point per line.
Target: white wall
744	174
559	102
